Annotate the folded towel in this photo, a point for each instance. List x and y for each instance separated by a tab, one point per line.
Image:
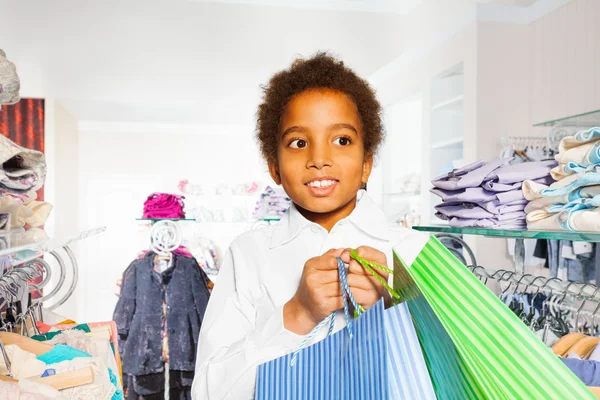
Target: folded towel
532	191
572	183
581	221
580	138
584	155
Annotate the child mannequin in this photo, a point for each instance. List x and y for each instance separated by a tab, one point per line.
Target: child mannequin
319	128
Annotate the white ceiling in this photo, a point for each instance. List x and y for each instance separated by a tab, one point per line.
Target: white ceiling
190	61
391	6
178	60
514	3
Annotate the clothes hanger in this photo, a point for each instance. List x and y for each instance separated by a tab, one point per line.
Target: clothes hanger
64	380
25	343
582	305
528	318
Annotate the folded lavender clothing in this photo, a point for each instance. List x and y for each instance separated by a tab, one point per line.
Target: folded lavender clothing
480	210
494	186
518	223
496	176
523	171
469	176
477	195
493	207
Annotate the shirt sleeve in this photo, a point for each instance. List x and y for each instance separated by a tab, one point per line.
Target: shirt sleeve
237	335
125	308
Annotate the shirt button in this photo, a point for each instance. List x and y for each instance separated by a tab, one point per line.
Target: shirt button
314	229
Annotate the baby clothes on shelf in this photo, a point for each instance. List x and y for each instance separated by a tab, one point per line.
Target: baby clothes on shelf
488	195
571	203
273	203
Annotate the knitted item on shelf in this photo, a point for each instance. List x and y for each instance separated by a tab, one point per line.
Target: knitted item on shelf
22	170
164	205
9	81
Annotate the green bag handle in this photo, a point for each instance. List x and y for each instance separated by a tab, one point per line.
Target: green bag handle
372	267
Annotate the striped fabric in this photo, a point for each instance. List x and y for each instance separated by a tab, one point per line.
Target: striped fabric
475	347
382	361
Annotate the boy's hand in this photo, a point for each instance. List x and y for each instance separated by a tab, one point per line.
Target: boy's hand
367	290
317	296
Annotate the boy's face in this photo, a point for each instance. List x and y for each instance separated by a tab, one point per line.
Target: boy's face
321	159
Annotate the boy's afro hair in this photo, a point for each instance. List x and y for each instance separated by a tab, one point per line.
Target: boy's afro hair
322	71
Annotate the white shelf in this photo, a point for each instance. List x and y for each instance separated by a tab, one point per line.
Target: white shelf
447	143
27	245
453	104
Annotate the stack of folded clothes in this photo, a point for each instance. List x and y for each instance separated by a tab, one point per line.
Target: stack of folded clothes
273	203
571	203
488	195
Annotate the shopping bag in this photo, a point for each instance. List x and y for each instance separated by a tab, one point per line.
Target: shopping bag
383	360
474	346
378	357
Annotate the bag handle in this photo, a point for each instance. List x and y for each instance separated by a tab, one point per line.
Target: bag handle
371	267
347	296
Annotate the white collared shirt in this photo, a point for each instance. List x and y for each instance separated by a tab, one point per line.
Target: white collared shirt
243	324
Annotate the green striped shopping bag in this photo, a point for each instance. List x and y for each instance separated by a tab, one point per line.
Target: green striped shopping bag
474	346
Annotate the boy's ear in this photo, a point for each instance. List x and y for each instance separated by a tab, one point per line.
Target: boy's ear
367	168
274	171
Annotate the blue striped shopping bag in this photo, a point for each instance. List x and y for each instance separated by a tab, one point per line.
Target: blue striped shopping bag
380	358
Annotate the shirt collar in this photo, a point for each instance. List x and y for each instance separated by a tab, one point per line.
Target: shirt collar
367	217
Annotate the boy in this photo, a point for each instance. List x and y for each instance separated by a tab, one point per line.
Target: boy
319	128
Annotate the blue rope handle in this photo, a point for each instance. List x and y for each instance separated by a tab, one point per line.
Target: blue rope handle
346	294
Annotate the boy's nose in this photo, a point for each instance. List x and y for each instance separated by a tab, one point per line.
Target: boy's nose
319	158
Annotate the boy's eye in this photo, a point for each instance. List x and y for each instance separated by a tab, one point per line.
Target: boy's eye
298	143
342	141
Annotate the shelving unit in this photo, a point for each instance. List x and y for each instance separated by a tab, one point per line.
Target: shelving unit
447	121
454	104
455	142
447	125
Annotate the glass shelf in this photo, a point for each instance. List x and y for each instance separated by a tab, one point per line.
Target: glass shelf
510	234
588	119
26	245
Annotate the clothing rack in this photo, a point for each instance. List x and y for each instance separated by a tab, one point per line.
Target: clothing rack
582	291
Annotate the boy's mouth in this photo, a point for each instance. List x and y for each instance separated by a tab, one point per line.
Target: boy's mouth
322	187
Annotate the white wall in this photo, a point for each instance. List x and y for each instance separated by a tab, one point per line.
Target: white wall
516	74
120	165
565	54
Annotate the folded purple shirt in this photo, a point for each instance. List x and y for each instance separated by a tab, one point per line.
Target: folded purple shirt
478	195
496	207
517	225
480	210
493	223
494	186
469	176
523	171
466	210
